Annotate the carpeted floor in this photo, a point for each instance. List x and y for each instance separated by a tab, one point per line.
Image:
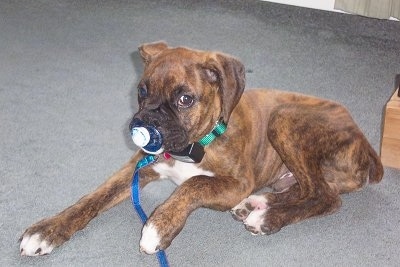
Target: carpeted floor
68	72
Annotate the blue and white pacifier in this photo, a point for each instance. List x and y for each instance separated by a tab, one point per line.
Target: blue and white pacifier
147	137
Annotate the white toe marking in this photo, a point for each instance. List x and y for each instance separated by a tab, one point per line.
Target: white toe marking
150	240
255	219
34	246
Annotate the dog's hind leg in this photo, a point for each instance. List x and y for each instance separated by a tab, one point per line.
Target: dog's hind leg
349	170
306	138
42	237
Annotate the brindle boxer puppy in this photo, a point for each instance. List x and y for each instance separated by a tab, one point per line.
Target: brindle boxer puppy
308	150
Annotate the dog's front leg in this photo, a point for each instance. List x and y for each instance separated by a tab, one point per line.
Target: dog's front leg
42	237
219	193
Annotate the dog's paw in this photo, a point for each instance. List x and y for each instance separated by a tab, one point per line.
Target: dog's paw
262	222
150	241
42	237
253	203
34	245
161	228
254	223
256	215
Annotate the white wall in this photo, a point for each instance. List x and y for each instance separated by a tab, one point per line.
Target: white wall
317	4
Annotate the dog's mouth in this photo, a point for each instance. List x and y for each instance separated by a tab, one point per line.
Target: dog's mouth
175	140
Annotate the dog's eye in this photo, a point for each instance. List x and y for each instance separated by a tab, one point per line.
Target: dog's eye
142	92
185	101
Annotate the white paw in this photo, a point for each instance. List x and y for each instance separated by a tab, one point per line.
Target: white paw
150	241
254	221
33	245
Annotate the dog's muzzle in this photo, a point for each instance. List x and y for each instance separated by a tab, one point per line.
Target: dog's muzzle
150	140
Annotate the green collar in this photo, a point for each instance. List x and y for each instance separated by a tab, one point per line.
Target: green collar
194	152
217	131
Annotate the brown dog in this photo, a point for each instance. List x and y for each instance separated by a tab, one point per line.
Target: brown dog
308	150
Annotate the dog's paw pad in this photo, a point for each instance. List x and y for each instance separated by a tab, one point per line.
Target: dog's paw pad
150	241
34	245
253	203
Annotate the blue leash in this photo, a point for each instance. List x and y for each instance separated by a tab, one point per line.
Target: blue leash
149	159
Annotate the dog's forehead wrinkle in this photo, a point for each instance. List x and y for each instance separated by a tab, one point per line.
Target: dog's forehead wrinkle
165	77
180	59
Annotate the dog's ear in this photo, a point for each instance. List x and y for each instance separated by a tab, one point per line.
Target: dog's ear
229	73
149	50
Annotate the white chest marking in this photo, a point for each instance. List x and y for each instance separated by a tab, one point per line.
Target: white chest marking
180	171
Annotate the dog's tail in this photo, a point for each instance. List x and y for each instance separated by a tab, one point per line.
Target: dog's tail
375	167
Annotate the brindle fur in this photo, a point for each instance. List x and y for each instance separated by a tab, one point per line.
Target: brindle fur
270	132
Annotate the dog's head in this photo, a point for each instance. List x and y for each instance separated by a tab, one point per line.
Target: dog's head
184	92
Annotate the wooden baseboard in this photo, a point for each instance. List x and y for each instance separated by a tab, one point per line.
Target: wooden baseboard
390	149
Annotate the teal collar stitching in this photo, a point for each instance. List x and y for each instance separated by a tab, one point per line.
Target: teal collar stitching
217	131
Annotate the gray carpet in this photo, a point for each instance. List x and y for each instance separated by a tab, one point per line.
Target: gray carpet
68	71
